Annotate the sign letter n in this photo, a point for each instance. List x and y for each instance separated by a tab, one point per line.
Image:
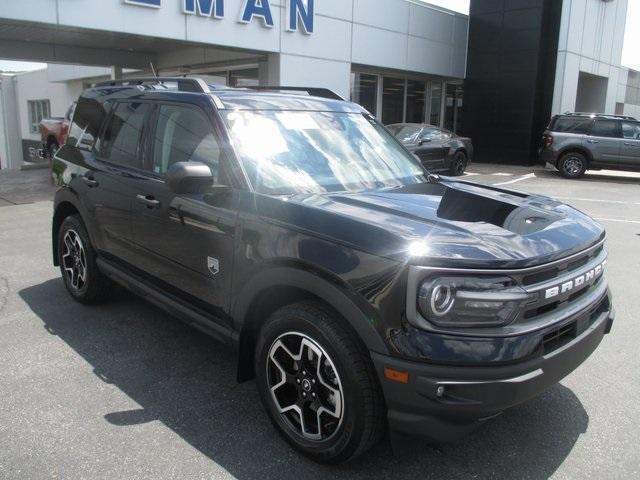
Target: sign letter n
302	10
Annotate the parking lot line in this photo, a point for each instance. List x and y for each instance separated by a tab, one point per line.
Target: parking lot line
597	200
617	220
515	180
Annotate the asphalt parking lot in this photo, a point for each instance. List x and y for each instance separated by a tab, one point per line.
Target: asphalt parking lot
125	391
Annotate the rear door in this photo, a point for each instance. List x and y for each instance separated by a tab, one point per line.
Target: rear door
605	142
112	175
186	241
630	154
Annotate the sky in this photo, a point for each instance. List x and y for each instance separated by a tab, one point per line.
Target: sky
630	54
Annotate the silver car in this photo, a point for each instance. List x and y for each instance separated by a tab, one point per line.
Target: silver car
577	142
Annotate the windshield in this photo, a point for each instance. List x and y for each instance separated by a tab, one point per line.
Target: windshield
286	152
405	133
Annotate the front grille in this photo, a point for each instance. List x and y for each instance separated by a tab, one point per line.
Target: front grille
558	338
572	280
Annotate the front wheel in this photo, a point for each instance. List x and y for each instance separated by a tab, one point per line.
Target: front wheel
317	383
458	164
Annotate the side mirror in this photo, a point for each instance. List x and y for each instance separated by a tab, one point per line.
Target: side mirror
189	177
424	140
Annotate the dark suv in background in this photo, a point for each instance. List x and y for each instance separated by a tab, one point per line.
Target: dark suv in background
577	142
359	290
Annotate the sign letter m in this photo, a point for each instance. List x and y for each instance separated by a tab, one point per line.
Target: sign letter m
205	8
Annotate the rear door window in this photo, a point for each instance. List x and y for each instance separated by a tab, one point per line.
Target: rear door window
606	128
88	117
631	130
122	137
580	125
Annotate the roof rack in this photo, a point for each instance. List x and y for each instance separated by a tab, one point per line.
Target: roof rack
183	84
313	91
586	114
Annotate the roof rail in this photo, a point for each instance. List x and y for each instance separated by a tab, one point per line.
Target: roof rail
195	85
313	91
586	114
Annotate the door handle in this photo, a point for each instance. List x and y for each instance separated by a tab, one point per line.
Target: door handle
148	200
630	144
90	181
593	141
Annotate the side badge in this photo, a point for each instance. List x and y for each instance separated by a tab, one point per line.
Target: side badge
213	265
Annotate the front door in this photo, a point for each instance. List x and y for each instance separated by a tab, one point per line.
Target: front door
433	147
630	154
186	241
604	141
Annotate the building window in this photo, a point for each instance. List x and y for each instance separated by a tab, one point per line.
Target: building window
38	109
416	95
244	78
364	91
435	103
392	100
453	109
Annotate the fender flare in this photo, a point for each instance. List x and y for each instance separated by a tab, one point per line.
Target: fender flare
356	311
66	195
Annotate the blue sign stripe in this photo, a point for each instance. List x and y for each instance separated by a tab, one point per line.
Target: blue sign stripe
145	3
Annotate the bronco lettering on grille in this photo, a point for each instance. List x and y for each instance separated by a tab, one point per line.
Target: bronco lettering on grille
577	282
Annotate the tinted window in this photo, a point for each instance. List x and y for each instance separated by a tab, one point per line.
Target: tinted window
184	134
122	137
87	121
435	134
631	130
606	128
571	125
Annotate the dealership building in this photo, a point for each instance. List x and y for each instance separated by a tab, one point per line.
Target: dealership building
499	72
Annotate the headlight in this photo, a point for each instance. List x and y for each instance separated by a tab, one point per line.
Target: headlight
453	301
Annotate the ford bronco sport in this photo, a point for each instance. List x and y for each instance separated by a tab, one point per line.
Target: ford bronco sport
361	291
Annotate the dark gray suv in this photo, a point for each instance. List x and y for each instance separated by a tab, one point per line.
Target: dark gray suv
577	142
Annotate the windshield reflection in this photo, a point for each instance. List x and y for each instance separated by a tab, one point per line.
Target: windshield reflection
287	152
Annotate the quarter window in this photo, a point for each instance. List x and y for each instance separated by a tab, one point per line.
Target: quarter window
38	109
606	128
184	134
123	135
631	130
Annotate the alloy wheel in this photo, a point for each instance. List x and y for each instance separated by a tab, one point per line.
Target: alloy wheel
74	260
305	386
572	166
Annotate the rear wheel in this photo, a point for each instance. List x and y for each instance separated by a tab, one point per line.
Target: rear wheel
572	165
458	164
77	259
318	384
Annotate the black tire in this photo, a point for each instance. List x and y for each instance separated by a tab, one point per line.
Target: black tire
458	164
572	165
345	375
75	256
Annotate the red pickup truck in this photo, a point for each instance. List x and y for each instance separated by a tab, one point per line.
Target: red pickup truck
54	131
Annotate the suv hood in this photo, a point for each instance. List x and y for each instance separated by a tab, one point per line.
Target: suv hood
447	223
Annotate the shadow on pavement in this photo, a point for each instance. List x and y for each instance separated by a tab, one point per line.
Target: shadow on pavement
593	176
187	381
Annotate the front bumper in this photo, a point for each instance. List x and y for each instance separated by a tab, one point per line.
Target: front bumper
443	403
